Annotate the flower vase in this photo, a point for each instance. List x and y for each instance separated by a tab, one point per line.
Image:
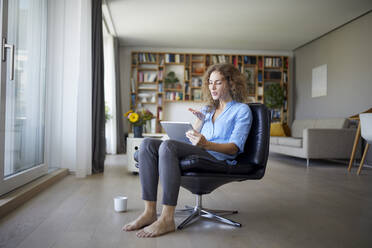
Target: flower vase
138	131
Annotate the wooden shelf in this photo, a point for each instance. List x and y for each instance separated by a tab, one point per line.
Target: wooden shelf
147	102
173	90
147	89
174	63
147	63
255	66
272	80
147	82
147	69
165	100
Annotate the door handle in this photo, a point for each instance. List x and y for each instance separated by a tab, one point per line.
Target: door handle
4	46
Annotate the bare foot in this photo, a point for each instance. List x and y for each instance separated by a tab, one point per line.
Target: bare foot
143	220
159	227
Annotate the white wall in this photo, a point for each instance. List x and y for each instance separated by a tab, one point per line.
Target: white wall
348	54
174	111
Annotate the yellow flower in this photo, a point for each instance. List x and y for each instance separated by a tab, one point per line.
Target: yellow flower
133	117
127	113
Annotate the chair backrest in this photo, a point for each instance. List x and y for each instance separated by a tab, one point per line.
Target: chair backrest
366	127
256	149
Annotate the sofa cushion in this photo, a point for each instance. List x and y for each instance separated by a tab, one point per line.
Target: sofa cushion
274	140
289	141
279	129
299	125
332	123
276	129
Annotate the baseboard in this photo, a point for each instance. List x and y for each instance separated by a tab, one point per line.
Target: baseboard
18	197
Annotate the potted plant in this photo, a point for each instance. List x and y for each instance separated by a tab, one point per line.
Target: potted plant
138	119
274	96
171	79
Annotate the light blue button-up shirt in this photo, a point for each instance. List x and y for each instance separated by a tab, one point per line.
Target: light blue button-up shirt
231	126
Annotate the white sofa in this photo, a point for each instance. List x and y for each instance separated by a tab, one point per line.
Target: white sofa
317	139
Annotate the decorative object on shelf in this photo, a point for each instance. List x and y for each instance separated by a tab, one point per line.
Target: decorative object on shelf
171	79
144	97
138	119
137	131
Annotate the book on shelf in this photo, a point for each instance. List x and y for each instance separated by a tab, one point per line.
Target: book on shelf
260	62
275	75
133	101
133	85
153	125
186	87
170	58
197	95
147	58
260	90
174	96
161	63
177	58
285	77
273	62
159	113
235	61
221	59
160	75
160	87
196	82
160	100
259	77
275	114
147	76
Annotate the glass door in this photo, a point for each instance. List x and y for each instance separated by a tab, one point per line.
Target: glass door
22	98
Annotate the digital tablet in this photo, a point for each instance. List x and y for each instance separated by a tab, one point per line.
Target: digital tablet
176	130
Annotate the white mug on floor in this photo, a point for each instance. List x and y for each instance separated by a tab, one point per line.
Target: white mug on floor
120	203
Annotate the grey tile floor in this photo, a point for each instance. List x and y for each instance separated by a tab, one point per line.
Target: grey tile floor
292	206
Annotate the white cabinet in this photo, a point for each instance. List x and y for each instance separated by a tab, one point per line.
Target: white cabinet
133	144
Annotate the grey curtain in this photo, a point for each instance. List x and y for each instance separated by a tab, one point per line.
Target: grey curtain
98	96
120	137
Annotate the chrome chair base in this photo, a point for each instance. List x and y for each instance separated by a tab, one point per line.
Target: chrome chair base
199	211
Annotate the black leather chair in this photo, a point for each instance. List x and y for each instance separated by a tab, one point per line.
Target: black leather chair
201	176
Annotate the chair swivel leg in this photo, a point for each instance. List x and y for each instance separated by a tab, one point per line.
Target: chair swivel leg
198	210
209	215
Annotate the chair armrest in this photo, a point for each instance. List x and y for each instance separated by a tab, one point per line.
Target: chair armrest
328	142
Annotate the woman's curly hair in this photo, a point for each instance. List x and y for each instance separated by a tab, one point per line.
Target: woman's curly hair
236	83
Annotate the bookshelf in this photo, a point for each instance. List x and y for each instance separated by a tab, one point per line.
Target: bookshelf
149	70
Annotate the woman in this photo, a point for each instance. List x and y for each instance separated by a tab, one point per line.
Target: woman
219	133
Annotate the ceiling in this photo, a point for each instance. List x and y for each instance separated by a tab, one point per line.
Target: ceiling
234	24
